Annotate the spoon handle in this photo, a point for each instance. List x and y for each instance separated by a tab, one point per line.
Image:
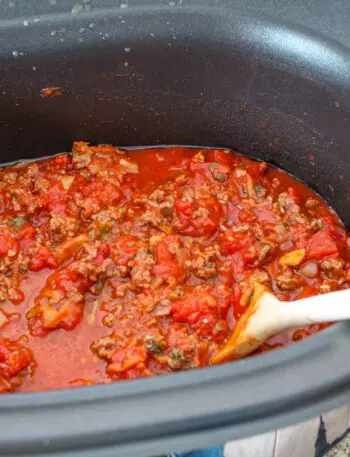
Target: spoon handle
334	306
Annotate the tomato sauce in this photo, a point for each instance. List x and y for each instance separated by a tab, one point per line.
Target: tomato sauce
118	264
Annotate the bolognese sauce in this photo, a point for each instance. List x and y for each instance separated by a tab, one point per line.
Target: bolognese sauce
119	264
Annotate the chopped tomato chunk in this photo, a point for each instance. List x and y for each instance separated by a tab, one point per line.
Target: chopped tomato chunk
233	242
198	218
4	245
27	233
60	303
194	307
102	254
56	198
321	245
124	249
221	156
13	359
125	359
246	216
169	256
42	259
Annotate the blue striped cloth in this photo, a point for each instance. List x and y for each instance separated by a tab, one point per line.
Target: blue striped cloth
211	452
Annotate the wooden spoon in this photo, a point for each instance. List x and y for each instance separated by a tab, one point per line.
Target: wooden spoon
266	316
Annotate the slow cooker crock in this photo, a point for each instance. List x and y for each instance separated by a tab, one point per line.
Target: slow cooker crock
198	75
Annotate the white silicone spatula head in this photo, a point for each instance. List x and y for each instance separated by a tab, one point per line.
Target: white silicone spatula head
266	316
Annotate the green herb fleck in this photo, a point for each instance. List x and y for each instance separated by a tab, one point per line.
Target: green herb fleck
219	327
153	345
220	177
213	166
179	360
258	188
212	279
96	288
244	190
18	222
54	246
104	231
23	267
282	208
179	355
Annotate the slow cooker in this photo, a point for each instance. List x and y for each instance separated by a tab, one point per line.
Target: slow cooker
150	73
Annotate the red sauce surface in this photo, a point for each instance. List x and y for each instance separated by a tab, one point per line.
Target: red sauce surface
119	265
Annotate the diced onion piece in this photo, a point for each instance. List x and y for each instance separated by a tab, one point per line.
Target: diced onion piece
81	160
131	167
49	317
250	187
309	269
67	181
246	296
92	315
3	319
69	247
293	258
199	156
53	294
52	317
202	192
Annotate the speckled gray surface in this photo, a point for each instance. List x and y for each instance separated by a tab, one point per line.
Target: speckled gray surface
342	449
